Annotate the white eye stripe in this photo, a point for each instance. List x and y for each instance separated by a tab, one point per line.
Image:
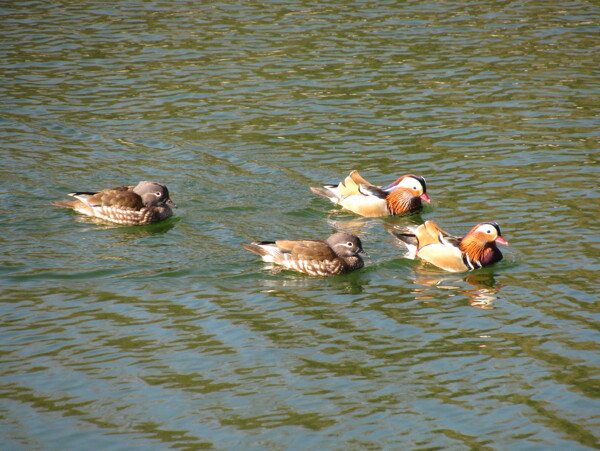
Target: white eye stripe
486	229
411	183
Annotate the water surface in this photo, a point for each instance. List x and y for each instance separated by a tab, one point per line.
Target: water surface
173	336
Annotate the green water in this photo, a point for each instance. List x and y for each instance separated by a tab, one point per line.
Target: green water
172	336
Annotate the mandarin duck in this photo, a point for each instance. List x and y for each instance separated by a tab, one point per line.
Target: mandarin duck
338	254
145	203
475	250
357	195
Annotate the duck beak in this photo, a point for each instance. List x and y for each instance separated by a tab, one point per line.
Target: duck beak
425	197
362	253
170	203
501	240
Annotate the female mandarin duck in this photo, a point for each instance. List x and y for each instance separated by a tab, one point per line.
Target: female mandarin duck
145	203
475	250
360	197
338	254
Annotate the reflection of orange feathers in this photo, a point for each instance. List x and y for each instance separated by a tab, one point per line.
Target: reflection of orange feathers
481	291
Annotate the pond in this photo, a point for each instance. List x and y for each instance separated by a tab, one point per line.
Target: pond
173	336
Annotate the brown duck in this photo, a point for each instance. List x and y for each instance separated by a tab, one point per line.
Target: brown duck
338	254
145	203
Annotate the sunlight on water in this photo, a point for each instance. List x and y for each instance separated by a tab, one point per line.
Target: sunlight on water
174	336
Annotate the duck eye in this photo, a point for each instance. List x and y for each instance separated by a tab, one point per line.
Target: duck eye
158	194
349	244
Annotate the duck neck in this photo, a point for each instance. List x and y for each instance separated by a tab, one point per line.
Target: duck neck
401	201
478	253
353	263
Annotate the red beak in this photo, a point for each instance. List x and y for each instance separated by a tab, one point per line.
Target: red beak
501	240
425	197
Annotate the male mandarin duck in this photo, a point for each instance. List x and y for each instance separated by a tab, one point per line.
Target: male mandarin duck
357	195
145	203
338	254
475	250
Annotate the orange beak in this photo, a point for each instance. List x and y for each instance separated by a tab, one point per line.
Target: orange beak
425	197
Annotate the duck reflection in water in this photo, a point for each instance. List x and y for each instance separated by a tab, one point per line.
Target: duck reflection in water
351	283
124	234
365	226
479	287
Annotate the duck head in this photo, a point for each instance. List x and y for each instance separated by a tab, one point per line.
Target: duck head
414	183
153	194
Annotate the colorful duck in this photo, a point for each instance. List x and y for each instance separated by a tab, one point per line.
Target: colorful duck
475	250
355	194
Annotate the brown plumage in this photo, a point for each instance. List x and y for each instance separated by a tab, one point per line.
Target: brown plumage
145	203
338	254
475	250
355	194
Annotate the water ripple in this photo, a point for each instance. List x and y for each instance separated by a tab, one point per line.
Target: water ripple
173	336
